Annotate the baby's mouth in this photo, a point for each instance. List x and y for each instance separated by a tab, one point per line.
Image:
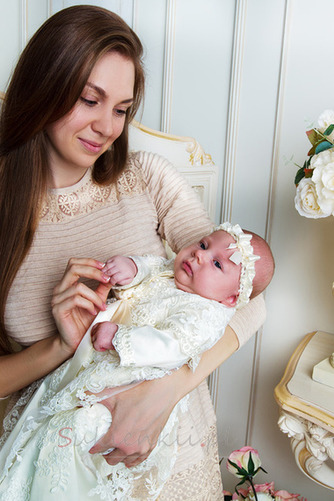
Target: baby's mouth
187	268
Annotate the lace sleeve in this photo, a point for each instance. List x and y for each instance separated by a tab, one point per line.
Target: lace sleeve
179	339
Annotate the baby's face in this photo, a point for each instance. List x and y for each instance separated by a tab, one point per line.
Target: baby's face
204	268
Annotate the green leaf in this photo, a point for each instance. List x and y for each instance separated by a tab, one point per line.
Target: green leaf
236	489
311	152
314	136
251	466
329	130
299	176
324	145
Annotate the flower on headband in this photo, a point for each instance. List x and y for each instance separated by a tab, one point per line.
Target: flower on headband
315	179
244	255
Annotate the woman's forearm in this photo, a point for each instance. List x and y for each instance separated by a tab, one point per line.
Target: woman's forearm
20	369
186	380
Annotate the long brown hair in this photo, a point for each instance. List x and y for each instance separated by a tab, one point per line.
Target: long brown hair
47	82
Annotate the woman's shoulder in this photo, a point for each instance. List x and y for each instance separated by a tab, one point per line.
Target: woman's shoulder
151	165
157	173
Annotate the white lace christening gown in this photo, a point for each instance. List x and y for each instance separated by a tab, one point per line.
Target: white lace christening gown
45	456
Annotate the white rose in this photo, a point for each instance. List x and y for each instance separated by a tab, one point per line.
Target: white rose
325	120
323	178
306	199
261	496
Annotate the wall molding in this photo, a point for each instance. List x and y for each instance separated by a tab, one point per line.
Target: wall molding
271	196
234	108
231	141
167	90
24	23
134	15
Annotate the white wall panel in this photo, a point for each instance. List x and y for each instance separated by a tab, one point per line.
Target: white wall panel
255	136
10	33
201	80
150	25
299	300
123	8
37	11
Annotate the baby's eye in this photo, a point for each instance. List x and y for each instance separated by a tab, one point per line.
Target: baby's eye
202	245
217	264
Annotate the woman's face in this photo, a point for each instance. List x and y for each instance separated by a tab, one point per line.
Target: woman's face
94	123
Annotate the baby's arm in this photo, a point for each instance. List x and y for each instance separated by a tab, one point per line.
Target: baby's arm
121	270
178	339
102	335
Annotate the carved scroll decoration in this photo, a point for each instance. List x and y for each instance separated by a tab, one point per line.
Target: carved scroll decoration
313	447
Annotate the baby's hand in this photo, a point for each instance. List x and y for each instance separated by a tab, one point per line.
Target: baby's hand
102	335
121	270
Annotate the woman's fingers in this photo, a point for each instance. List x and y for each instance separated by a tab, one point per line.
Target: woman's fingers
131	461
116	456
132	448
78	295
68	304
81	268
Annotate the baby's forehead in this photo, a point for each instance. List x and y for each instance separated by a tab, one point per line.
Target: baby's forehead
222	237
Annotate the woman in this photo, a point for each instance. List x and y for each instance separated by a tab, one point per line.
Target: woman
70	188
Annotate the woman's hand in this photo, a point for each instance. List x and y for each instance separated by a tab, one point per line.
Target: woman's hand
74	304
139	414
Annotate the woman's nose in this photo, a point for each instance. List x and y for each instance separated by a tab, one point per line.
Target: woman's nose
103	124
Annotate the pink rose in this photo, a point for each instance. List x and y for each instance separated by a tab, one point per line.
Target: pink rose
267	487
286	496
242	495
241	459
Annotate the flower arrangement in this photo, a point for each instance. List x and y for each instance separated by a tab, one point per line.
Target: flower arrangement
245	463
315	179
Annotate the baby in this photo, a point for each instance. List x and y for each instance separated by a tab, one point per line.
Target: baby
167	313
210	268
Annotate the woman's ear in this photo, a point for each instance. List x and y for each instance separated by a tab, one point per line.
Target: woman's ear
231	301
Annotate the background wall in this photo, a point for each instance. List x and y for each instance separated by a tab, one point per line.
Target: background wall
246	78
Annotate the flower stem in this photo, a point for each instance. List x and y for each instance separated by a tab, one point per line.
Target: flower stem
254	491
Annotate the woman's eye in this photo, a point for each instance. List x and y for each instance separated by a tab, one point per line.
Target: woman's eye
217	264
120	113
202	245
88	102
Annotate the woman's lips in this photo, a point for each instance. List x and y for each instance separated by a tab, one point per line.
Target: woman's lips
90	145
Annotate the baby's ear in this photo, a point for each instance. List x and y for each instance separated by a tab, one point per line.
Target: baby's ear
230	302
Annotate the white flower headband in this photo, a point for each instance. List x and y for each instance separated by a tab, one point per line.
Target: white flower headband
243	255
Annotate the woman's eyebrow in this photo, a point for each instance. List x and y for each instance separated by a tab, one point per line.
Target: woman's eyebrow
98	89
103	93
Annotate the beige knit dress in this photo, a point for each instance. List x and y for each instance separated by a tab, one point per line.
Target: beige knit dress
150	201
